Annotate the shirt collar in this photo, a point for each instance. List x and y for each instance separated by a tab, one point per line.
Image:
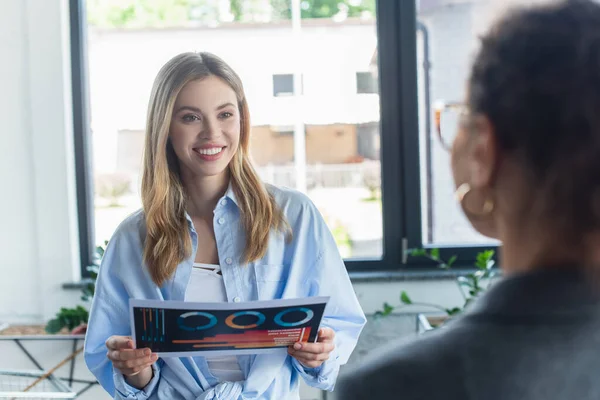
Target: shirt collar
229	194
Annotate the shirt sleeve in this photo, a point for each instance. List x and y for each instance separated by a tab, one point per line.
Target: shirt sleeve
343	314
126	391
109	316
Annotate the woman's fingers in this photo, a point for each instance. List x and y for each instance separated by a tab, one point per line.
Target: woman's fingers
119	342
125	358
135	370
309	363
128	354
309	356
129	366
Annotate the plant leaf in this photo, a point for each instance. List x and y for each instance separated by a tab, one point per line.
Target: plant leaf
404	298
463	281
484	258
452	260
387	309
435	254
453	311
54	326
417	252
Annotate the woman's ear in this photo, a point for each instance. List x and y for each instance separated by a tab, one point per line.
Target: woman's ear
483	153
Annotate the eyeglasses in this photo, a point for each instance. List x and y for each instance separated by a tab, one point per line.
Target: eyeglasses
452	112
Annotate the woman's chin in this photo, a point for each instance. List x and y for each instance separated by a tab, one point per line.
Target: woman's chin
207	171
211	172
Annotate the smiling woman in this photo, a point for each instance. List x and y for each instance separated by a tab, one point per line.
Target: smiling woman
202	89
207	229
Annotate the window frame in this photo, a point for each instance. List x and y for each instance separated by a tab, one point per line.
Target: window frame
82	134
466	254
396	25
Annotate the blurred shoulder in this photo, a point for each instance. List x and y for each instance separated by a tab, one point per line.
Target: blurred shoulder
405	369
294	204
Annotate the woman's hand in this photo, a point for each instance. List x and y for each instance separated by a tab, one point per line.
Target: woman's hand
312	355
134	364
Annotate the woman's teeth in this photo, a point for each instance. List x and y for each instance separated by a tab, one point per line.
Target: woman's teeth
210	152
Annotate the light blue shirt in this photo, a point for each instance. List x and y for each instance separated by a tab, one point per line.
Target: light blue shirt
308	265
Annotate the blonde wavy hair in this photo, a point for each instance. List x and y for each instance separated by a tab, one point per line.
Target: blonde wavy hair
164	198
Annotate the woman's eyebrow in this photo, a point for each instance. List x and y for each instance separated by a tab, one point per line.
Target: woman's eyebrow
189	108
222	106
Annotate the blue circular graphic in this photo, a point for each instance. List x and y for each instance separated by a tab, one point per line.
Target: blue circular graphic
309	315
212	321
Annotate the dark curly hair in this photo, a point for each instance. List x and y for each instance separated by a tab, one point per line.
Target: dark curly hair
537	79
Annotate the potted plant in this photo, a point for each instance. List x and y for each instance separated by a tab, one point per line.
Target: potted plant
75	319
470	285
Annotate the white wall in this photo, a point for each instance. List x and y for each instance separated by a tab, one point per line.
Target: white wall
38	218
38	225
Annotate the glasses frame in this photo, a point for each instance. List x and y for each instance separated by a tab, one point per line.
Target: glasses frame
440	108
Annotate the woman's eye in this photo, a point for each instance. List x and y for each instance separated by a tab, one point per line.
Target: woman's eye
226	115
190	118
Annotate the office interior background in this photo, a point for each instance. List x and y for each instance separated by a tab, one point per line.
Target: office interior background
342	96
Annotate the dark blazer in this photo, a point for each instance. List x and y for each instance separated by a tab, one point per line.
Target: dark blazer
531	336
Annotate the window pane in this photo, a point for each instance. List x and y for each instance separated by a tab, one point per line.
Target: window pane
447	33
336	126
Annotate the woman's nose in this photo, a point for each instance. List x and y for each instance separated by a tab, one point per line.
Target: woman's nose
211	129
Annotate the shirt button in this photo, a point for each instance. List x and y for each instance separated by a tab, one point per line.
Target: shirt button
229	260
224	202
221	221
236	299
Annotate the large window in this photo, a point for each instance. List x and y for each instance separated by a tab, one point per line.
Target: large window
297	60
447	37
341	93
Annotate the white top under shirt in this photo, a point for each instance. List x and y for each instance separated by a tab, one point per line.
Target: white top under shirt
206	285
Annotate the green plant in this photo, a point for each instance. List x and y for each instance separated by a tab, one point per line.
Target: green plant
161	13
71	318
470	285
89	288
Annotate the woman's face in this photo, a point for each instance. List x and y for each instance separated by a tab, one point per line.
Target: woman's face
205	127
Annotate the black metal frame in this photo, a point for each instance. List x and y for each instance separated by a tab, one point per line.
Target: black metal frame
466	255
70	379
397	28
82	134
400	157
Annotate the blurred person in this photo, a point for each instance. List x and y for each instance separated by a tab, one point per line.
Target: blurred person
526	163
